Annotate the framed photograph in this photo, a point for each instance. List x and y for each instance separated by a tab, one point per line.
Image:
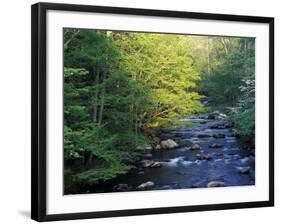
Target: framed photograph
139	111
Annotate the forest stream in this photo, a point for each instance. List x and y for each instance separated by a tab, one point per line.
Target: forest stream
207	155
128	101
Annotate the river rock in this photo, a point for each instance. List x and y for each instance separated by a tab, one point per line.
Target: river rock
215	145
216	184
216	115
217	126
156	139
245	160
148	147
166	187
202	117
221	116
244	170
147	163
203	135
144	147
195	147
157	147
213	126
219	135
229	124
204	156
151	164
213	115
122	187
156	165
168	144
145	186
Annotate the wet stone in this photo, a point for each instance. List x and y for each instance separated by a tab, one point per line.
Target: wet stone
219	135
216	184
215	145
166	187
244	170
195	147
146	186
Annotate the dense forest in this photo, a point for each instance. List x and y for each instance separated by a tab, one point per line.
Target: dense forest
120	88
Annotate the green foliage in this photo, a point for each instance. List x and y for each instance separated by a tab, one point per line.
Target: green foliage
164	63
245	116
223	63
119	85
74	71
246	122
227	67
96	175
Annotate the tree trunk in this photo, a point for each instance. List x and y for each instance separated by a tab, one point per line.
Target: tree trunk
70	39
96	83
104	75
89	161
136	124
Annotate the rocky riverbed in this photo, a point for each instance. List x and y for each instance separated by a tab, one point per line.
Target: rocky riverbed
202	153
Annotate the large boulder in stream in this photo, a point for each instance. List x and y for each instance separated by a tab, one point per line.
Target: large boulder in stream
146	186
216	184
168	144
195	147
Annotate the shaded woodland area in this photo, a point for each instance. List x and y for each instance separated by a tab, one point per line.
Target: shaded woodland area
121	88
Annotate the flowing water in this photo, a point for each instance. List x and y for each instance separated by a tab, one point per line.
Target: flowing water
186	168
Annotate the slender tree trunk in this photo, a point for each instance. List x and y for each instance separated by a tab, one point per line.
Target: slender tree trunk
96	82
136	124
70	39
223	41
96	73
89	161
104	75
132	116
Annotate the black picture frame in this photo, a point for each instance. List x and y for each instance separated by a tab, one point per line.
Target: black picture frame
38	108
